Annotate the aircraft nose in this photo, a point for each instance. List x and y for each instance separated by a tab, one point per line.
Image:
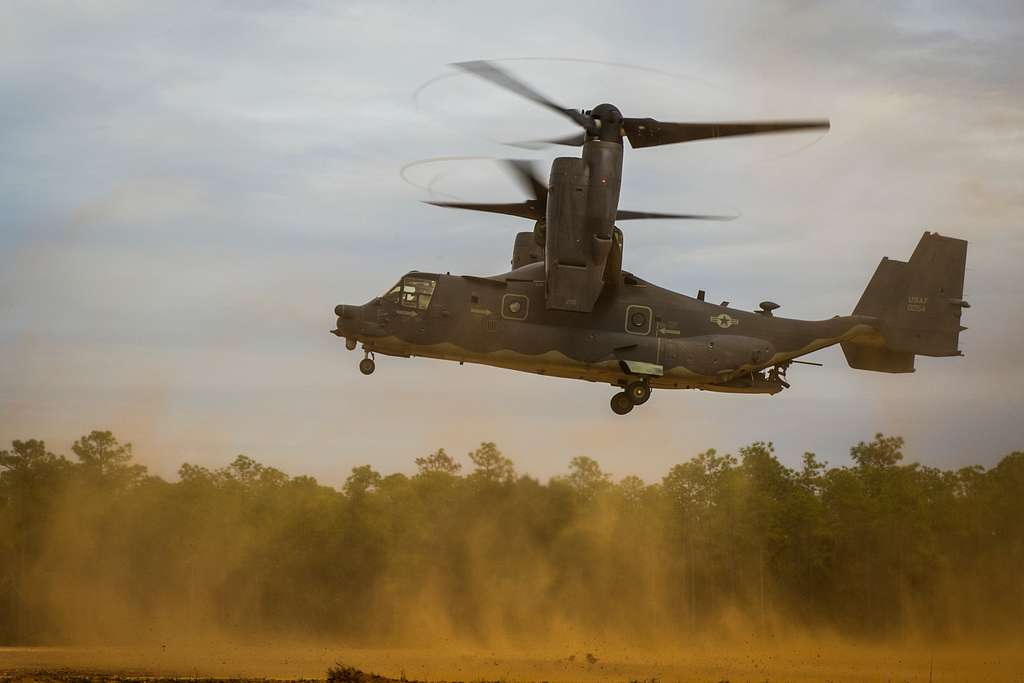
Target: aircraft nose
357	322
347	325
347	320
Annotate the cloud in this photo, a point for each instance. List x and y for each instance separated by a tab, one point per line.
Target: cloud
188	191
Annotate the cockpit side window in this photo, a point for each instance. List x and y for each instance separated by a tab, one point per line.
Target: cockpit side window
416	292
393	294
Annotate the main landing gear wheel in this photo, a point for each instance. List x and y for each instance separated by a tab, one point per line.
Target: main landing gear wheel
621	403
367	366
638	392
350	343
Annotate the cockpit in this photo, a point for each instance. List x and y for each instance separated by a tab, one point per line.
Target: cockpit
413	291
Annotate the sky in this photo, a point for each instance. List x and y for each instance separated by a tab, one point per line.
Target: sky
188	189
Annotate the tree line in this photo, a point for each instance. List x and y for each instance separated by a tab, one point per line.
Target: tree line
95	548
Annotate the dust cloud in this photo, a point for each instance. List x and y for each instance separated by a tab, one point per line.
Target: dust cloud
730	566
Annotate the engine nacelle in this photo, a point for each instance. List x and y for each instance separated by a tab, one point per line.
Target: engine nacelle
526	250
582	201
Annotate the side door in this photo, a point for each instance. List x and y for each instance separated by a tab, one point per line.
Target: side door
518	307
641	354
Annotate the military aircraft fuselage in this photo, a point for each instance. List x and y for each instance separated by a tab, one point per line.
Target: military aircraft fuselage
636	331
567	309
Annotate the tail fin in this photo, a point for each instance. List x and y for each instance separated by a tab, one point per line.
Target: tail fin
918	304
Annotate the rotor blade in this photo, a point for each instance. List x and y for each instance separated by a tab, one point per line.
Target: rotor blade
528	179
651	132
502	78
631	215
526	209
574	140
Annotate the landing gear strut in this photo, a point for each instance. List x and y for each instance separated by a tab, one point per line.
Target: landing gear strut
366	365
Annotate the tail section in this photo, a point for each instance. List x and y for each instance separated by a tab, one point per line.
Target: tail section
918	304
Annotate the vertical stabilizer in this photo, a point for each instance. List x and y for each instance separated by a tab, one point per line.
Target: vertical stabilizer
918	304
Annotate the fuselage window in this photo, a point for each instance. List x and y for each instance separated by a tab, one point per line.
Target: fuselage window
416	292
638	319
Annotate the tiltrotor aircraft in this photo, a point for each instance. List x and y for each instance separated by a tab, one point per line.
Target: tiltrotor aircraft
568	309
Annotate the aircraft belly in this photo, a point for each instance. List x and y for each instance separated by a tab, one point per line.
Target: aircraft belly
550	362
558	351
711	356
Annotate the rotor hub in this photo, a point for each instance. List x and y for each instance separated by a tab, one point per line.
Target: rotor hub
607	122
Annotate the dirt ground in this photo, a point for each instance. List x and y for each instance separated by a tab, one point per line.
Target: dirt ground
805	662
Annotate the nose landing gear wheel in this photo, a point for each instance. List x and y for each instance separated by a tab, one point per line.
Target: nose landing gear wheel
367	366
638	392
621	403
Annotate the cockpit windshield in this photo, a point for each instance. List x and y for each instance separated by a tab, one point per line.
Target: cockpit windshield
416	292
412	292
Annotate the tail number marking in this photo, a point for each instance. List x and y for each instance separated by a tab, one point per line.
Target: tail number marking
917	304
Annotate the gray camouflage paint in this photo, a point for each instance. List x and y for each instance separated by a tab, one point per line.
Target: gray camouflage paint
686	343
